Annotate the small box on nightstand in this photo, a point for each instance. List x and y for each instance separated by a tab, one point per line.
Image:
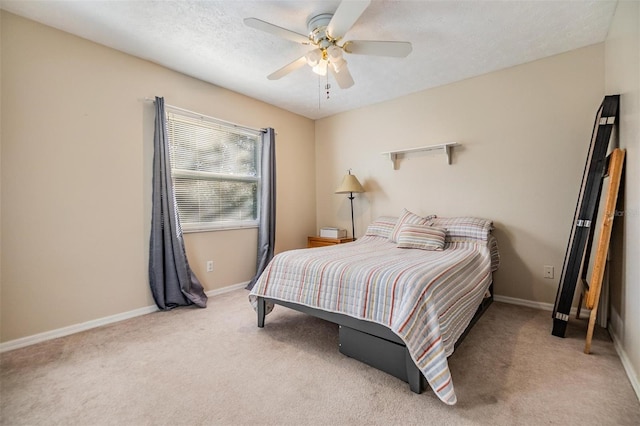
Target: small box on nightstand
333	233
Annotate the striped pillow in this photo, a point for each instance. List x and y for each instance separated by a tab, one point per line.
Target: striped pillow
465	228
422	237
382	226
407	218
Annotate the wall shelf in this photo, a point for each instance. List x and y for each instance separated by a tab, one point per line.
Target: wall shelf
444	147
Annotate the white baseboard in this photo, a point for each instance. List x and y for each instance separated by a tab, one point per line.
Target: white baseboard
615	328
76	328
584	313
227	289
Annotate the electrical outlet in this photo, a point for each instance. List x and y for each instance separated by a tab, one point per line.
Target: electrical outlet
210	266
548	272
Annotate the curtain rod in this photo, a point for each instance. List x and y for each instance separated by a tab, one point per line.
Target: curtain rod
228	123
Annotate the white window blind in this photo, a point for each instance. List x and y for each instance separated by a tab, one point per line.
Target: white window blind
216	173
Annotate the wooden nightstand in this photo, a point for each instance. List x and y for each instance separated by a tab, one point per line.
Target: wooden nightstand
323	241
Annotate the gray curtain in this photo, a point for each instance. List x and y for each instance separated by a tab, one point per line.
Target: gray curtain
267	227
172	281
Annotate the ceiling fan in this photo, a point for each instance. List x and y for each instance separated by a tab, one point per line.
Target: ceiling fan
326	34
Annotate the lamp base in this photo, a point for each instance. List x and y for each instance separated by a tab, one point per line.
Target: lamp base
353	226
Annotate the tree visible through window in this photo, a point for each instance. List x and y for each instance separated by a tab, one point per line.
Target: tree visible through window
216	172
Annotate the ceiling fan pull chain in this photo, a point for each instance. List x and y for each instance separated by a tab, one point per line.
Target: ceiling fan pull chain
327	86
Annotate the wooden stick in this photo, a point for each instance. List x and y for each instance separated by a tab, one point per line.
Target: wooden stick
616	162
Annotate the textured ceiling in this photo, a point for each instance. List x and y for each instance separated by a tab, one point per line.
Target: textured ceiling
452	40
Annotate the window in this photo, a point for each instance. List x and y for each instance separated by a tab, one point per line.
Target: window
216	172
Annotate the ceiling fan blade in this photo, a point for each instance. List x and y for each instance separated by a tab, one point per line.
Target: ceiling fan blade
343	77
345	16
397	49
276	30
300	62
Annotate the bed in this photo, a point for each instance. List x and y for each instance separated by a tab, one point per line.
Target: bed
404	294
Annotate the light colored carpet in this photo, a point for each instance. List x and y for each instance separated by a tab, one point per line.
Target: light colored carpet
214	366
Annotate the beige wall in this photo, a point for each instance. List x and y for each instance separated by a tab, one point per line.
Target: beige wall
76	175
622	70
524	131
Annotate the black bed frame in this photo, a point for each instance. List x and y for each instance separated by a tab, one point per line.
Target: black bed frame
372	343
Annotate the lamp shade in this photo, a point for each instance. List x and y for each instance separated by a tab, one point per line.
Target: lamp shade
349	184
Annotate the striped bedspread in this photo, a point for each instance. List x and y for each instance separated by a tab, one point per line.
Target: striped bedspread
426	297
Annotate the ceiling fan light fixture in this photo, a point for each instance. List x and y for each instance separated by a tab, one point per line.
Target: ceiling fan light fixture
314	57
321	68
